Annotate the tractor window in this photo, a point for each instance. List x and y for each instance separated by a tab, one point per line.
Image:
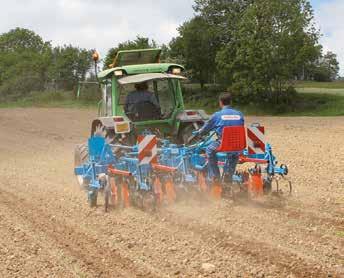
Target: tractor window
161	90
165	95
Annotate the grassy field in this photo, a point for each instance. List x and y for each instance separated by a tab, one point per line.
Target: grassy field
307	104
339	92
334	88
320	85
51	99
313	99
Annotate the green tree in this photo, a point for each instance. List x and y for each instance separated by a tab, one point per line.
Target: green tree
196	48
69	65
28	63
222	16
20	39
327	68
138	43
272	41
165	56
24	60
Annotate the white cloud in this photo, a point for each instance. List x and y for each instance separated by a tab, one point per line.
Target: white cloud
97	24
329	17
102	24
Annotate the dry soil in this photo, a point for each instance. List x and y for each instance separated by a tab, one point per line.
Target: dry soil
48	230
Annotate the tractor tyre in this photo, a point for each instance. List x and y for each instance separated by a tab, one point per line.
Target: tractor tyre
185	134
80	158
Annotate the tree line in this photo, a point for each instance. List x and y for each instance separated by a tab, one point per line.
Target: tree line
28	63
255	48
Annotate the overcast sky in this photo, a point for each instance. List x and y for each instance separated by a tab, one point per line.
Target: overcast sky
102	24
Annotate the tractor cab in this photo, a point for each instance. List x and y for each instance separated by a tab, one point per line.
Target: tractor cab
146	95
149	96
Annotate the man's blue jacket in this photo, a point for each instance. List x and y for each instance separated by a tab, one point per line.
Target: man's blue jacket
227	116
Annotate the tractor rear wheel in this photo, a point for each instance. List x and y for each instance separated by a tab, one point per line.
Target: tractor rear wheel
186	133
80	158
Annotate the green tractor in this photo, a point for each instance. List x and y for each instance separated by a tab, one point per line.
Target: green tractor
170	120
119	126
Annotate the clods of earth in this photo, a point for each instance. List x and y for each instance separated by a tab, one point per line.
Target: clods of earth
48	230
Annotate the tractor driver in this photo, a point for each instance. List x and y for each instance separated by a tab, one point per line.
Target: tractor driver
136	100
227	116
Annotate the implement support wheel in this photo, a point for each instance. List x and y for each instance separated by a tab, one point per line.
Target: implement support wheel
92	197
80	158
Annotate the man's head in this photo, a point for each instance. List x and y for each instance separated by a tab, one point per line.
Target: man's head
141	86
225	99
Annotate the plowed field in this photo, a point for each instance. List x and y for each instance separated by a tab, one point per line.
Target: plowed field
48	230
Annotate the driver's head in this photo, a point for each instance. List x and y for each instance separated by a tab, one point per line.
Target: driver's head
141	86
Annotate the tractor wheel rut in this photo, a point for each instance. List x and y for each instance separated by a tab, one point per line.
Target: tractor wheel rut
26	252
97	261
48	230
311	218
290	209
261	253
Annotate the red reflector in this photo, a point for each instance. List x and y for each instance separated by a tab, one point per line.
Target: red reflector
118	119
191	113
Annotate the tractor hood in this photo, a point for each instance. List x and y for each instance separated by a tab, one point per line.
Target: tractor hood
144	77
136	57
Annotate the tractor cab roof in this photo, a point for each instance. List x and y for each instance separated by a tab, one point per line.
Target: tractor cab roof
139	69
139	61
144	77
